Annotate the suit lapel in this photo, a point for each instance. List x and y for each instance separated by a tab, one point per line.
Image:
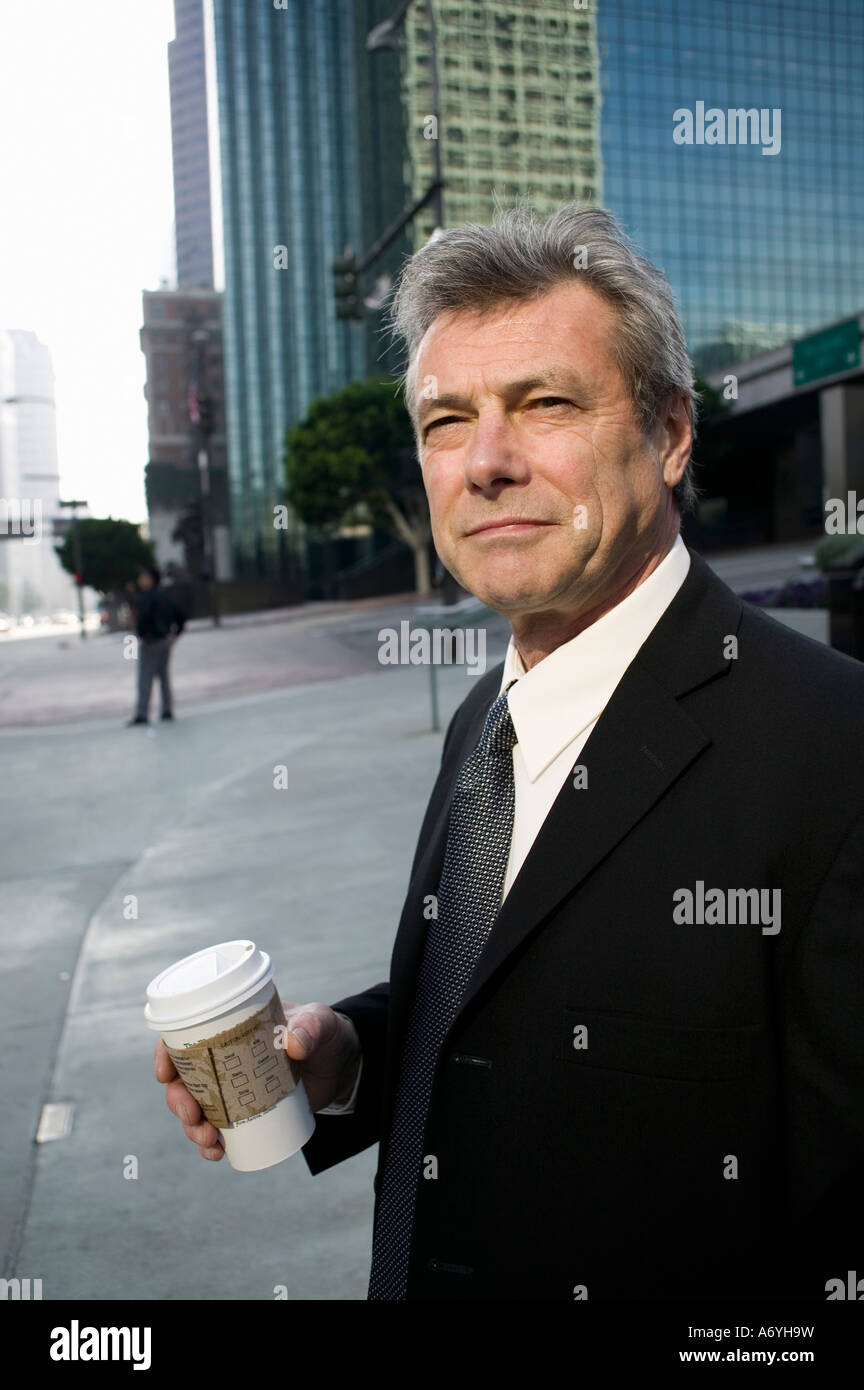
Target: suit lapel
639	746
642	742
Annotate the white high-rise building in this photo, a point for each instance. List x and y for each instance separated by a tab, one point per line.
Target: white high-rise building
29	479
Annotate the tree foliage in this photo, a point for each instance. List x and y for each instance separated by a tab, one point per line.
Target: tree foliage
112	552
352	459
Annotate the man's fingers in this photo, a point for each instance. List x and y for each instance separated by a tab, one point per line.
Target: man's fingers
162	1064
181	1104
204	1134
310	1026
213	1154
186	1108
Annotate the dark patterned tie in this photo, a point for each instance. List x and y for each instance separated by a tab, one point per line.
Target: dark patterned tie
469	896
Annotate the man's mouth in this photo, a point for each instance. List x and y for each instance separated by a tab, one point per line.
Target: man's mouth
509	525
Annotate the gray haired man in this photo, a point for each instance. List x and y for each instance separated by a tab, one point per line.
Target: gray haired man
576	1094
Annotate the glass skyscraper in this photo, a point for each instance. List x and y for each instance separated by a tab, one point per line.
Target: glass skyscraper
189	142
726	138
323	144
312	161
759	247
519	105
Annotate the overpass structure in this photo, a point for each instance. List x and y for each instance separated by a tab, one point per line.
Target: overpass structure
796	417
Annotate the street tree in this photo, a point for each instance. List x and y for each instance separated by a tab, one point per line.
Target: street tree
112	553
353	461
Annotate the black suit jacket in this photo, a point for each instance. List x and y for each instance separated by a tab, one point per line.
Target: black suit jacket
712	1050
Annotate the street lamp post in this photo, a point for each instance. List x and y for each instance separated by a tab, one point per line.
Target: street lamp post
385	35
205	428
348	267
79	563
436	111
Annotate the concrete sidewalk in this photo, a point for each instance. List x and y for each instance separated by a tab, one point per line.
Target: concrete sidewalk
313	609
56	680
185	817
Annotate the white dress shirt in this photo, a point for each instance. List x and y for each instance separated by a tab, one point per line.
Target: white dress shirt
556	704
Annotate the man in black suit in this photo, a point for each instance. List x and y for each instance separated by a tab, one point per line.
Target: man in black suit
620	1052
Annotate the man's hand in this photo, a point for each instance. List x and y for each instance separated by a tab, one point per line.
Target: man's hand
324	1042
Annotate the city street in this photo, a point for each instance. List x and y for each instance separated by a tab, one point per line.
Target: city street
264	651
184	818
412	296
126	848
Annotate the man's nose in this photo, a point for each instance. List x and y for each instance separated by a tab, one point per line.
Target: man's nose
494	455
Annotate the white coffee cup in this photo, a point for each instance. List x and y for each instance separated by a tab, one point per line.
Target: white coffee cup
218	1012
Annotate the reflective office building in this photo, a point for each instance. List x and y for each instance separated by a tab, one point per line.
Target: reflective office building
518	105
311	162
727	138
324	142
731	140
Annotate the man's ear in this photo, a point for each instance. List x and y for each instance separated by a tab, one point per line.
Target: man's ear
675	438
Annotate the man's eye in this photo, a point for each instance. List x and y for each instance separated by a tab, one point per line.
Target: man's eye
550	400
444	420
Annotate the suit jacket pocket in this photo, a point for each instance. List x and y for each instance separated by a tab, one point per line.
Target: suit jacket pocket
647	1047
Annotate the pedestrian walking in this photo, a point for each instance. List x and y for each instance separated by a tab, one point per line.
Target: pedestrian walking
159	622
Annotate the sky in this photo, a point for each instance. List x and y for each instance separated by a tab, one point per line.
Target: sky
86	210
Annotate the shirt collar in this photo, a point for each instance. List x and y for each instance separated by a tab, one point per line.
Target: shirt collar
565	692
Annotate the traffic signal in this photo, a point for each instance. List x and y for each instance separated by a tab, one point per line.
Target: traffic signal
205	414
346	287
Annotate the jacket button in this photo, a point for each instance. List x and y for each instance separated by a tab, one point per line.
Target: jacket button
443	1267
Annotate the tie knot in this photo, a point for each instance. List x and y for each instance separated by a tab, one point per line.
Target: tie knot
499	735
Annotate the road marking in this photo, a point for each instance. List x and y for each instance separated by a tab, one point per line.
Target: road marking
55	1122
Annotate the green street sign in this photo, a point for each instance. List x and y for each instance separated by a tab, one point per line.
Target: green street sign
832	350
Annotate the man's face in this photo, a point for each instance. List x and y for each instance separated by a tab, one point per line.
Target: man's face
145	580
527	429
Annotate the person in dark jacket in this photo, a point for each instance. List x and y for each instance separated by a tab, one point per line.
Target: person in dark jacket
160	620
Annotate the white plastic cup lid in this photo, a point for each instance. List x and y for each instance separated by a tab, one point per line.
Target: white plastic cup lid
205	984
